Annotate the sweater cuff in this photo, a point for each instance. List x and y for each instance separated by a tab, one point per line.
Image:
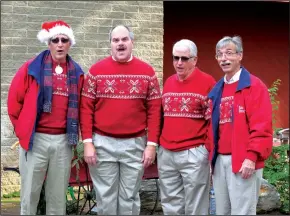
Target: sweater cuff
252	156
87	140
149	143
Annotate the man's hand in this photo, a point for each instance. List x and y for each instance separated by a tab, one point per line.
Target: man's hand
148	156
247	169
90	155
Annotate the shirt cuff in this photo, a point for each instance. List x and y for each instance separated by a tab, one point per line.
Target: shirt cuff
149	143
87	140
251	155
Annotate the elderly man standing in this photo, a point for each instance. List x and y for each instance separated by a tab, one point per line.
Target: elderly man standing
242	128
183	165
43	106
120	124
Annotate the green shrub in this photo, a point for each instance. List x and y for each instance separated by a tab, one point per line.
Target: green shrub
78	157
276	170
12	195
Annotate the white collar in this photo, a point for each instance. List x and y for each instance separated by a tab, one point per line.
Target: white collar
235	78
131	57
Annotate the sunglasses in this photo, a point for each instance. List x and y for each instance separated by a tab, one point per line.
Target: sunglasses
183	58
56	40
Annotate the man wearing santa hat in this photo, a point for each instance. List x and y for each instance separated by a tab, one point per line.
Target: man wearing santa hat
43	106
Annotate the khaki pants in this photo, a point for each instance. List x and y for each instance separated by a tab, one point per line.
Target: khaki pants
184	181
50	157
233	194
118	174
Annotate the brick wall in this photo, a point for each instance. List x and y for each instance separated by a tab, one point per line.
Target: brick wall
91	22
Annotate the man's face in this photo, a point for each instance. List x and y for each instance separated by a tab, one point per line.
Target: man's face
121	44
183	63
59	46
228	58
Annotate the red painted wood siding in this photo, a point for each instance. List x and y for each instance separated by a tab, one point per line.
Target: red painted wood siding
263	26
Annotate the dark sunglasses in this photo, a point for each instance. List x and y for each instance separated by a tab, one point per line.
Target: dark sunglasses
183	58
56	40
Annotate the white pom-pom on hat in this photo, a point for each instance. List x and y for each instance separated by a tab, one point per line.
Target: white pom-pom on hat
51	29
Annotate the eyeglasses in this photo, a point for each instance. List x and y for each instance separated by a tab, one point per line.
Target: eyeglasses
183	58
56	40
228	54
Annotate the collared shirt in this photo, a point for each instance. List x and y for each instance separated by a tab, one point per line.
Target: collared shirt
131	57
235	78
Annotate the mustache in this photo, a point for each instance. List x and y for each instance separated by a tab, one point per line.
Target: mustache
121	47
225	63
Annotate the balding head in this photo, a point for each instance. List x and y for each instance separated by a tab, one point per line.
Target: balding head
117	28
121	43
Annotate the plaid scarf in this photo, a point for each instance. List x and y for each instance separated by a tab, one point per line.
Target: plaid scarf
46	91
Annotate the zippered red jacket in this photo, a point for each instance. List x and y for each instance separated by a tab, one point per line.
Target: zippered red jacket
252	135
22	102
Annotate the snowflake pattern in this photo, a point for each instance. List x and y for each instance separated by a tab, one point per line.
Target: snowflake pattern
134	86
110	86
187	104
153	88
91	88
208	109
59	84
166	104
121	87
226	107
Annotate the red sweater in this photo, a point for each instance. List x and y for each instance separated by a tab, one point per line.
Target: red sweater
121	100
55	122
185	111
226	121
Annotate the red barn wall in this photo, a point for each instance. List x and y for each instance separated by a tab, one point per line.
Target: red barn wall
263	26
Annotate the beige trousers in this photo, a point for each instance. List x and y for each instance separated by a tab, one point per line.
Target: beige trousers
184	178
50	157
118	174
233	194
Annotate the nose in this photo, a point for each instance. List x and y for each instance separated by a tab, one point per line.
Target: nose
179	61
60	43
224	57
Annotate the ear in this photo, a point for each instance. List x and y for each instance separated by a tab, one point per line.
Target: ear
195	60
241	56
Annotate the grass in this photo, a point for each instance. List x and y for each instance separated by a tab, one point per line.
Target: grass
11	200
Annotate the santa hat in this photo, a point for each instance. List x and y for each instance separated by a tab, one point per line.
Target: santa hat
51	29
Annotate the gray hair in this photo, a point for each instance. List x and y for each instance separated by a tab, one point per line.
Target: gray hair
188	44
236	40
131	35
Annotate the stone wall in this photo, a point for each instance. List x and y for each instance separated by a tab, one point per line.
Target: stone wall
91	22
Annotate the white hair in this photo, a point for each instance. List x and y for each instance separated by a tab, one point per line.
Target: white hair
188	44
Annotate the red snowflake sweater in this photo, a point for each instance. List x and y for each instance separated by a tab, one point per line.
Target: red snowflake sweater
186	111
55	122
121	100
226	118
